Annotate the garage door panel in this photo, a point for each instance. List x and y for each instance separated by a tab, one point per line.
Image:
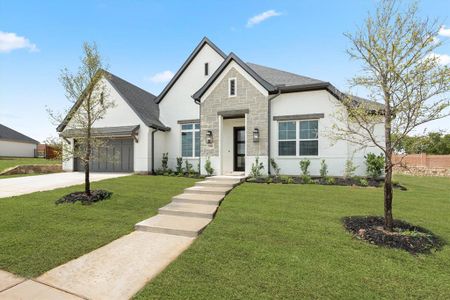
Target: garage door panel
115	156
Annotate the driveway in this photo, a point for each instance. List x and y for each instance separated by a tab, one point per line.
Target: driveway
30	184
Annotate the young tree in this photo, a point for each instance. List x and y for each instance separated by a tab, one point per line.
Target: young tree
87	92
401	70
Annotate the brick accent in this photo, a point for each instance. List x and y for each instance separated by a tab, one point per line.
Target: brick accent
247	97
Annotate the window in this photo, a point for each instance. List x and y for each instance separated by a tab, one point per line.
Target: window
190	140
307	138
206	69
232	87
287	136
309	144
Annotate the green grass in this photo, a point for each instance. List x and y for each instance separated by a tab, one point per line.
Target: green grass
36	235
8	162
287	241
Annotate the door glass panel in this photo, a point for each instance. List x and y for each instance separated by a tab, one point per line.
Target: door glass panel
241	135
240	149
240	163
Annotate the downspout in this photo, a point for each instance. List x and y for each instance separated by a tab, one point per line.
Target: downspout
269	109
153	150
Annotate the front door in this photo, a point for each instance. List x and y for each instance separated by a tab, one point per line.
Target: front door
239	149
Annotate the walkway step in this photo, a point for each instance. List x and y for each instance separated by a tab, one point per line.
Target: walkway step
208	190
226	178
175	225
218	183
189	210
204	199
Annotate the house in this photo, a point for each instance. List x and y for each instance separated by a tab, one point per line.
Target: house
16	144
221	109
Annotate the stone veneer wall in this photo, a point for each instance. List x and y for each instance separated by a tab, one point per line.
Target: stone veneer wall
248	97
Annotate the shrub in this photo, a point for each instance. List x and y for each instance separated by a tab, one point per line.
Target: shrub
350	169
306	179
275	167
304	165
208	168
323	169
165	160
188	167
375	165
257	167
330	180
179	165
363	182
290	180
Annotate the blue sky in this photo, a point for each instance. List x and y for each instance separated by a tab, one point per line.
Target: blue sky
142	39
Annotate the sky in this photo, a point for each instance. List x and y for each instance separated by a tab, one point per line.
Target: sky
145	43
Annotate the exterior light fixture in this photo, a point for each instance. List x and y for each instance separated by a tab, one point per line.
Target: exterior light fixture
256	135
209	137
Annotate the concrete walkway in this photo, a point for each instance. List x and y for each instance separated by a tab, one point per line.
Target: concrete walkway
121	268
29	184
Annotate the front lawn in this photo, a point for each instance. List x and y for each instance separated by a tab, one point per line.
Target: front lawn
36	235
8	162
288	241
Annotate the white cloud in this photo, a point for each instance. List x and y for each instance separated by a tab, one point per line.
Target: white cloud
262	17
10	41
444	31
444	59
162	77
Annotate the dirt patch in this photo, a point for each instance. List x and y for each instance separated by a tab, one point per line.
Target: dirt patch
96	195
33	169
413	239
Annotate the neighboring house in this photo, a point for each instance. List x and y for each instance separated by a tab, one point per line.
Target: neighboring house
13	143
219	108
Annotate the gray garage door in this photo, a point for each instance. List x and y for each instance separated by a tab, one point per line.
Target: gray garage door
115	156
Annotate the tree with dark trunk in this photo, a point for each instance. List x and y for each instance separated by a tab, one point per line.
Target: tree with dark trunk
400	70
87	91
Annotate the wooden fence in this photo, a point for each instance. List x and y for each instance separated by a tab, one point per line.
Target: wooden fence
423	160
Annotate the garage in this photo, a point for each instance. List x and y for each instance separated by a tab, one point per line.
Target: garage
116	155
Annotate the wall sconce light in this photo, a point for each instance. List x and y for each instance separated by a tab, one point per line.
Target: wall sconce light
256	135
209	137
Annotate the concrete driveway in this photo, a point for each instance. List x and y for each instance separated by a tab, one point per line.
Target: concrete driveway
30	184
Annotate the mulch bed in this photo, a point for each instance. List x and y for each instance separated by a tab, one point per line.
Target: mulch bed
96	195
413	239
355	181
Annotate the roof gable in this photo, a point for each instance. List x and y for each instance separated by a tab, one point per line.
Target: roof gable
203	42
140	101
233	57
9	134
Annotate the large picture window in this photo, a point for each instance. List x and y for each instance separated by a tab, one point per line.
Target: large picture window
190	140
298	138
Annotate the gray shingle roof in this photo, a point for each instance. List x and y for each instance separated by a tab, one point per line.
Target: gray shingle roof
142	102
282	78
9	134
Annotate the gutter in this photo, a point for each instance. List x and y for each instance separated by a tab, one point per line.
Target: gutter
153	150
269	113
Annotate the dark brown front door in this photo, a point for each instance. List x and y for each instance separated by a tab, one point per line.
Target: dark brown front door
239	149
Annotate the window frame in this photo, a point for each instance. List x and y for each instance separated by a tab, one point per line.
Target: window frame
195	132
229	87
297	140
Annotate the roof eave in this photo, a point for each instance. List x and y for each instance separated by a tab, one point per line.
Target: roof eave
187	62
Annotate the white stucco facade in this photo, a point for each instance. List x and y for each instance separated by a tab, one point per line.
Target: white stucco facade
121	114
259	108
17	149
